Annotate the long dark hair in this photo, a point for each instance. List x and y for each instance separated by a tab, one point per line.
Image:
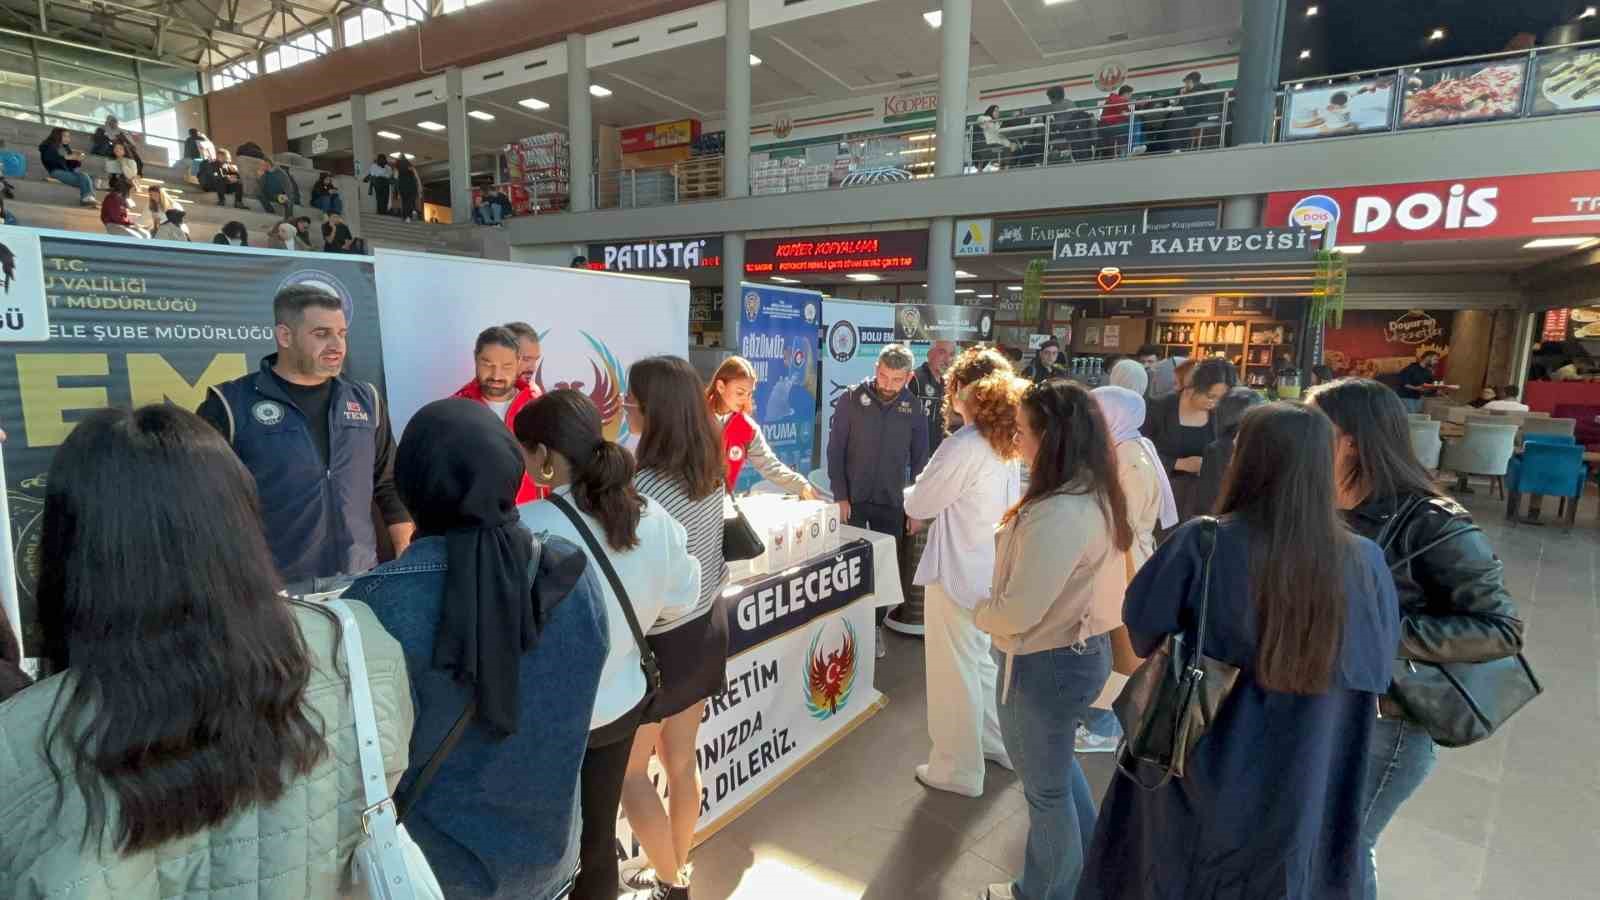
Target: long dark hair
159	596
680	437
1281	486
1372	416
1076	455
57	136
566	422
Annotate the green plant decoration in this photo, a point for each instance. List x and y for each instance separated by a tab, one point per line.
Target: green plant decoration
1327	289
1032	287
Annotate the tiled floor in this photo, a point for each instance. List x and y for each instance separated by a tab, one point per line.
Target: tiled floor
1516	817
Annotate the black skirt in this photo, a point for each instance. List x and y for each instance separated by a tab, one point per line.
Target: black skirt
694	663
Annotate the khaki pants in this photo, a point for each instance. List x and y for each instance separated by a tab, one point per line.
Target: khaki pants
962	719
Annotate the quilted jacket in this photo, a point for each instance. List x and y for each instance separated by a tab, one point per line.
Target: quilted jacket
299	848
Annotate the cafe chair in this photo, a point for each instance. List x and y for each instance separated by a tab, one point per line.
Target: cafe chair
984	153
1425	441
1564	427
1436	408
1484	450
1546	469
1543	415
1478	418
1457	415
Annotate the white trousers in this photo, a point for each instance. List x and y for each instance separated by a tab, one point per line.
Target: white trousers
962	721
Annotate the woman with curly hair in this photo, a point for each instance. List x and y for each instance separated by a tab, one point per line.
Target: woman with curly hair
966	487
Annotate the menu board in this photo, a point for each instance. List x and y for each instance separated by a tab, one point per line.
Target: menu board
1467	92
1363	104
1567	81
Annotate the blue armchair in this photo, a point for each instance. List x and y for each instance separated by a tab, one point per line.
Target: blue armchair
1547	467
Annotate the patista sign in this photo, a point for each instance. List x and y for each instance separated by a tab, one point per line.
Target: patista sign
1512	206
657	256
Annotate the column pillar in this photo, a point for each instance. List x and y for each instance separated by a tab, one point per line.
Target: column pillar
955	33
338	32
1259	54
580	126
732	278
459	131
736	72
361	149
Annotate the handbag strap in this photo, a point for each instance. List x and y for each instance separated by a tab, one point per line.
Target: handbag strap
406	800
647	657
379	819
1208	538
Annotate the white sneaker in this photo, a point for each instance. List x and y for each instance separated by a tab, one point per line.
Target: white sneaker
946	786
1087	742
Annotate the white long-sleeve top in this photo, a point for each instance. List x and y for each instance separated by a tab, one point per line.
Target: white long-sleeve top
965	489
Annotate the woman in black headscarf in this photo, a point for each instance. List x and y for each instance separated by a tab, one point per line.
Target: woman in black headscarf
504	636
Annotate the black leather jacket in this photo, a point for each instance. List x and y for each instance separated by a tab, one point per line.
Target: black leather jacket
1454	607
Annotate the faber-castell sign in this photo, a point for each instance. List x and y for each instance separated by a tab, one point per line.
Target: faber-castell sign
1208	248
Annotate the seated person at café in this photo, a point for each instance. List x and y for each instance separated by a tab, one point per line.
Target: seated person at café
1507	401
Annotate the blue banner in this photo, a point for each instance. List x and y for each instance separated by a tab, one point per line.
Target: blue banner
778	335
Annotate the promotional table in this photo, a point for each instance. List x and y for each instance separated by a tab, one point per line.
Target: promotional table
801	664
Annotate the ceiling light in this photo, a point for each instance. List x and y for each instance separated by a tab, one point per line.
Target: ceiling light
1350	249
389	135
964	291
430	126
935	18
782	280
596	90
1013	287
985	296
1436	35
1544	243
961	274
927	136
533	103
1305	54
1054	2
755	60
1311	11
1588	12
407	155
481	116
862	276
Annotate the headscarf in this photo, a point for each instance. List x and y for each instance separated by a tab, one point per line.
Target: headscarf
458	470
1130	374
1124	411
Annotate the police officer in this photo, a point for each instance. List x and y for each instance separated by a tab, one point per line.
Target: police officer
878	444
928	385
319	445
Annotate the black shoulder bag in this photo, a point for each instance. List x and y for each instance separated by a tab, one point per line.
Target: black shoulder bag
1459	704
647	656
739	538
1171	701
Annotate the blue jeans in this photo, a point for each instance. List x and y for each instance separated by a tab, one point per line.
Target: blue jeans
1398	761
1049	695
491	214
1102	723
78	179
330	204
1412	404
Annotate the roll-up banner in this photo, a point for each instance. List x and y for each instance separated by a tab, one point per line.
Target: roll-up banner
136	322
854	331
778	334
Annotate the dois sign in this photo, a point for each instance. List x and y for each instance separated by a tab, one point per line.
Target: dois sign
1561	203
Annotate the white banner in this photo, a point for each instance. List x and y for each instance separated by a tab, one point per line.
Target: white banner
593	326
853	331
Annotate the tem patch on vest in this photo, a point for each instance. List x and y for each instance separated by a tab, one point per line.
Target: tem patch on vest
267	412
735	453
354	413
865	400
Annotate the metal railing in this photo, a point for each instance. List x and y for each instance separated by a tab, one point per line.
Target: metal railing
1543	81
1173	123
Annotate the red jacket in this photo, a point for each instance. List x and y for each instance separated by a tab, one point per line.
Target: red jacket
525	394
114	210
1115	111
736	437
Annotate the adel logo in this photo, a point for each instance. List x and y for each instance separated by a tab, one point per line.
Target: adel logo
608	382
831	675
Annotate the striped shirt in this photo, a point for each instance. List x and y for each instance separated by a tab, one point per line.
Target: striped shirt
702	519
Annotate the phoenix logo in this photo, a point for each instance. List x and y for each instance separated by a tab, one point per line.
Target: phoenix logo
608	382
832	674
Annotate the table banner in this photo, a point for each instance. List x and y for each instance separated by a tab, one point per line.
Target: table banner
801	671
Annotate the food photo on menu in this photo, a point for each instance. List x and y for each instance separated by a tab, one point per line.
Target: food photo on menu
1568	81
1465	93
1354	106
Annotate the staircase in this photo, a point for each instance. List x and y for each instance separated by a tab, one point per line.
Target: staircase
395	234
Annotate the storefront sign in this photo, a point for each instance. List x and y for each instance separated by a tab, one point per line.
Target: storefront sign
1556	203
1415	327
660	135
1244	306
929	322
1555	325
1040	233
911	105
974	237
1242	245
658	256
1185	307
867	252
1178	219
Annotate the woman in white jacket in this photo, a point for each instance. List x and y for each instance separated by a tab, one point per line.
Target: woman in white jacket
965	489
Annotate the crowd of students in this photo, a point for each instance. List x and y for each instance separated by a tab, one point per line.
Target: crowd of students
529	652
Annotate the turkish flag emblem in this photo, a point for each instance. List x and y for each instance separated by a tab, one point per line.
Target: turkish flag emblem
1109	278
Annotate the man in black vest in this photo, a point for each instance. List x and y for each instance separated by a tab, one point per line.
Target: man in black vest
319	445
928	385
